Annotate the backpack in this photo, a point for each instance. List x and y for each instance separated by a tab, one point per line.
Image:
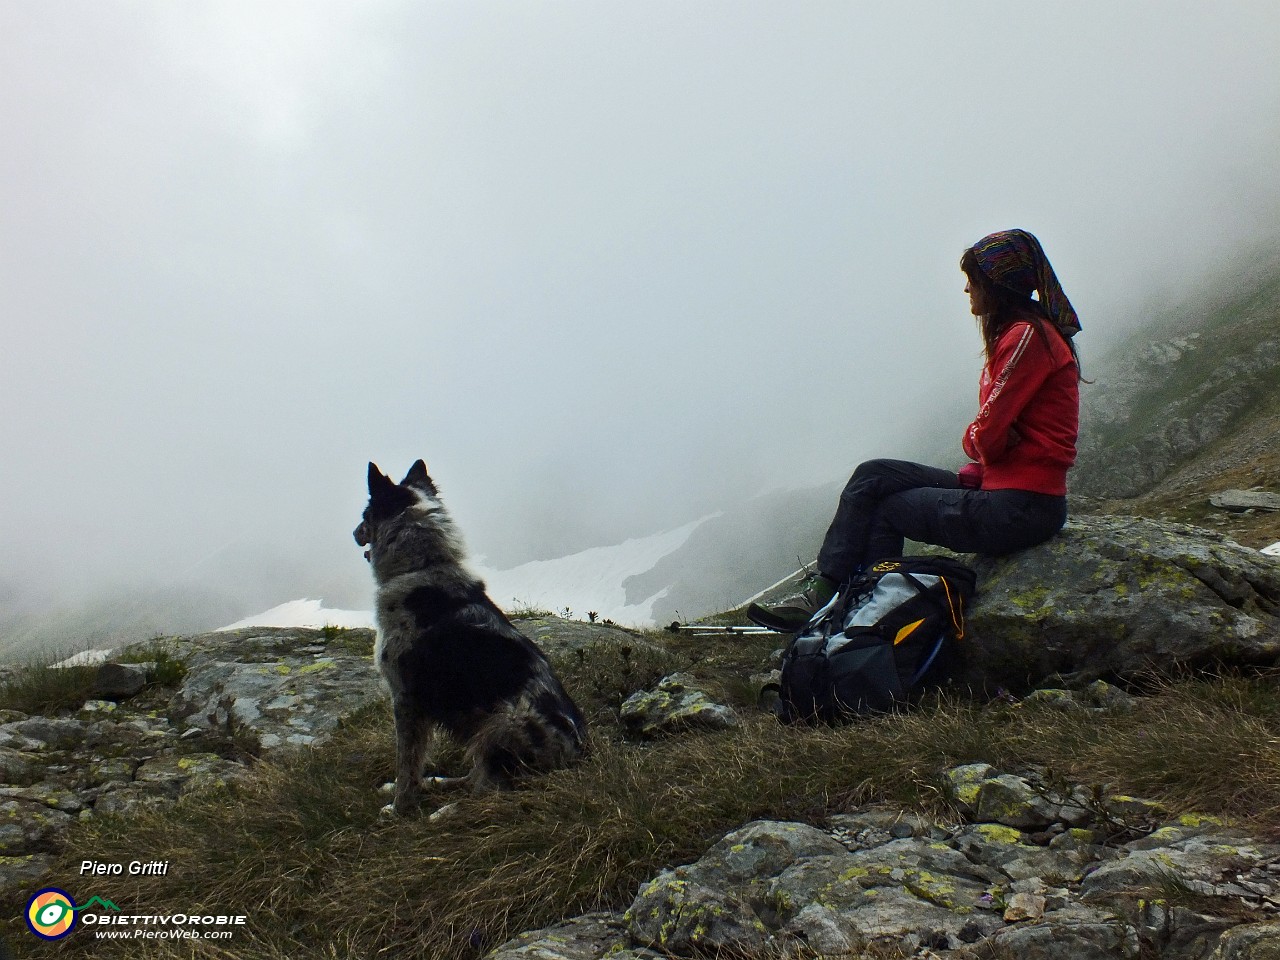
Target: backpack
870	646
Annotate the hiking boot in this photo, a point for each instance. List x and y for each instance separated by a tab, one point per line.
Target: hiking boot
793	613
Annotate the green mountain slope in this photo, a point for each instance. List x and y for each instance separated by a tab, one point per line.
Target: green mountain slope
1189	406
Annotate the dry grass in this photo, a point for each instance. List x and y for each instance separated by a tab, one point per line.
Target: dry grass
302	850
45	689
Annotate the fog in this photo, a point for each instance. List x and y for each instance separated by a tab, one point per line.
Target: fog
605	266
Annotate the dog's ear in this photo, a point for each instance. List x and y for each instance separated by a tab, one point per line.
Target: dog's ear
379	482
417	474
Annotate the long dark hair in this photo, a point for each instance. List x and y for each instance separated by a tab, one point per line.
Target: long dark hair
1006	306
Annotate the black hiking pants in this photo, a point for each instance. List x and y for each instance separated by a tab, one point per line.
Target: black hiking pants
886	501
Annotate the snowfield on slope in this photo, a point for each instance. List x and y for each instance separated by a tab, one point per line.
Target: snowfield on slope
589	581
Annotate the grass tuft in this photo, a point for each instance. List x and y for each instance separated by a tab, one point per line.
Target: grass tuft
41	688
167	669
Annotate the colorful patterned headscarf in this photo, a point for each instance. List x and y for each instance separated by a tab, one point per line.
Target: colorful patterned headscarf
1014	259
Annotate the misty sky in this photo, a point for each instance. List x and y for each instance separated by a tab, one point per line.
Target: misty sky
605	265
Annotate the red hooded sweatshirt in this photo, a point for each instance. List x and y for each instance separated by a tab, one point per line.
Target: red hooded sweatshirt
1024	435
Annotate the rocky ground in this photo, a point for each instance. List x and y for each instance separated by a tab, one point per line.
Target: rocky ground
1034	870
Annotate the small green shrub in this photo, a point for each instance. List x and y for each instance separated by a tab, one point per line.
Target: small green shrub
600	676
167	668
355	641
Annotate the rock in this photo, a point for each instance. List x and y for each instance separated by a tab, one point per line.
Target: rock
1238	501
52	733
675	705
1255	941
189	772
1012	801
18	767
1178	932
1024	906
119	681
1076	933
19	873
678	916
966	783
1206	864
558	637
131	798
1017	802
112	770
27	827
1005	849
873	826
1151	413
881	881
275	685
1104	696
591	936
92	711
1055	699
47	794
763	848
1119	596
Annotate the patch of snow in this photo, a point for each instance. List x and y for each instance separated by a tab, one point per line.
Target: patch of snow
1273	550
85	658
304	613
591	580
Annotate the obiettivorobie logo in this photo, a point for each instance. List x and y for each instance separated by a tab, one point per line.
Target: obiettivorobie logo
51	913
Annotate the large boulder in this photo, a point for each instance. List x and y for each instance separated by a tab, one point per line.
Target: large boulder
1120	597
281	687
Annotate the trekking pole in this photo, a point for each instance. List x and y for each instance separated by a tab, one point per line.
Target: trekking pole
706	629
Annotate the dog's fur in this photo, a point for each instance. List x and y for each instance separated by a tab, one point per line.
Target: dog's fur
450	656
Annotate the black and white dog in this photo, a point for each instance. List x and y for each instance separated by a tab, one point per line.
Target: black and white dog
450	656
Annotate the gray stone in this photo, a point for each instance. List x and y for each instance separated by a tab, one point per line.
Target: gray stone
1123	596
1255	941
18	767
1176	932
674	706
54	733
1237	501
119	681
966	784
1105	696
1063	700
189	772
873	826
1024	906
47	794
558	637
19	874
258	683
133	797
761	849
678	916
1005	849
1078	933
28	827
823	931
1200	864
1015	802
593	936
112	770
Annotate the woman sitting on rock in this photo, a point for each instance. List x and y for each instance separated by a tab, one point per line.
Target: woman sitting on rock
1021	444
